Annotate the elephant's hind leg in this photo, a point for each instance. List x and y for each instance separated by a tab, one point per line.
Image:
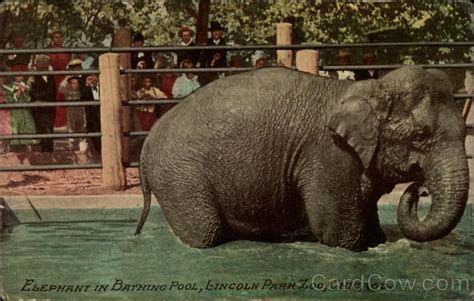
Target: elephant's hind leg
193	216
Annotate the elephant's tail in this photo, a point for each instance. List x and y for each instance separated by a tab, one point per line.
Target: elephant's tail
145	188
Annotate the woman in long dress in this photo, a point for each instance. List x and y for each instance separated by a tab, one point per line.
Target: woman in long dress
21	120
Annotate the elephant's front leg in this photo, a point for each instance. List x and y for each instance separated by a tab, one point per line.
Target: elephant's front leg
371	193
376	235
336	217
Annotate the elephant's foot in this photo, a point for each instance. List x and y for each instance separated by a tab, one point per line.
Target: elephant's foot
375	234
351	237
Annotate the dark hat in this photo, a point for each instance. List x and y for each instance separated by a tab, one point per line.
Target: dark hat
138	37
216	26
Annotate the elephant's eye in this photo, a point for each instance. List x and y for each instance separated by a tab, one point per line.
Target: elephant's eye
419	137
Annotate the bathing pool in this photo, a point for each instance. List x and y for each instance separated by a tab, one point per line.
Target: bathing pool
91	256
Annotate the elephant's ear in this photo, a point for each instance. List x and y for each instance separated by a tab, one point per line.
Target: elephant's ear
356	118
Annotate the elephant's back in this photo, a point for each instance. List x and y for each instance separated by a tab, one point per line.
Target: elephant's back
223	104
257	113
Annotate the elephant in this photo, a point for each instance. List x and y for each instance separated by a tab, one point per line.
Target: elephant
266	153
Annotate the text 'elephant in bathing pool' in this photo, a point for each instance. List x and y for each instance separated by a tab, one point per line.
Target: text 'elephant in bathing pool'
265	153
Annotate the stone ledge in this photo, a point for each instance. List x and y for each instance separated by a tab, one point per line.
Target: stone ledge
117	201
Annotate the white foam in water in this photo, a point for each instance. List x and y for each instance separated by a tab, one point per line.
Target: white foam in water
388	247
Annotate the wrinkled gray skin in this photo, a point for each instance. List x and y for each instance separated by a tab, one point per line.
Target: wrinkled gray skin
266	153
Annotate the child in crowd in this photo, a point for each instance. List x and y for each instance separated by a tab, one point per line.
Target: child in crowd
71	89
167	81
21	120
147	114
186	83
260	60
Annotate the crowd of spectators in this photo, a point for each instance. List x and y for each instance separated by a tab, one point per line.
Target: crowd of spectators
81	119
48	88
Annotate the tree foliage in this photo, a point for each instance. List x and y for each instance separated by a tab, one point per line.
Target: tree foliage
92	23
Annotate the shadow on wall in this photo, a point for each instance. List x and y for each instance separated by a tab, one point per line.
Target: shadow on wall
27	180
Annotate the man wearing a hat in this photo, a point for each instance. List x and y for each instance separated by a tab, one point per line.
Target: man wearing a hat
214	58
186	35
141	59
43	89
17	41
368	59
344	58
75	64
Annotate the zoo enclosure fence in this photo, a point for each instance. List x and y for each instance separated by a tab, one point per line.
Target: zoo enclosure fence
115	104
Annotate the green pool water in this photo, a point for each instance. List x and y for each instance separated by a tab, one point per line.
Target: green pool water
104	260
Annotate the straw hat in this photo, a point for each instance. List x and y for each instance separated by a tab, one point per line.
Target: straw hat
42	58
74	63
343	53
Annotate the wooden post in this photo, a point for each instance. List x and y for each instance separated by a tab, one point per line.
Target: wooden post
469	118
111	120
467	108
202	18
308	61
469	88
284	34
123	38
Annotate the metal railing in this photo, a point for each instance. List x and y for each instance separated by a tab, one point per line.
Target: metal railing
314	46
178	70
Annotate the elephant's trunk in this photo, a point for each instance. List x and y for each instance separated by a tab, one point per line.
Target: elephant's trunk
447	179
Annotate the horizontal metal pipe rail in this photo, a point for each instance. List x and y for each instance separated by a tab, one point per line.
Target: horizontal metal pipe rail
234	69
49	72
131	164
38	104
50	136
136	133
45	167
50	167
234	47
394	66
125	103
192	70
152	102
323	68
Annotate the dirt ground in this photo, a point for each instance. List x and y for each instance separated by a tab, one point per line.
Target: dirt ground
58	182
